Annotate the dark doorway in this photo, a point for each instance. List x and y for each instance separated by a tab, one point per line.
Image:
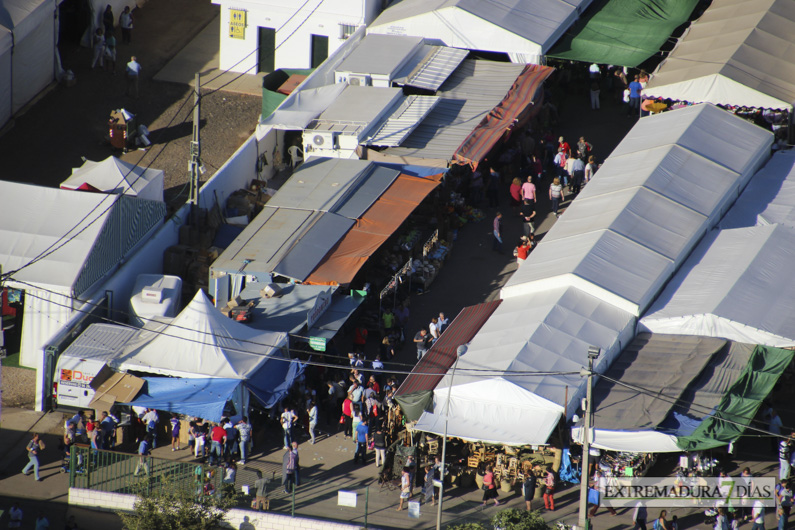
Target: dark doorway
266	41
319	50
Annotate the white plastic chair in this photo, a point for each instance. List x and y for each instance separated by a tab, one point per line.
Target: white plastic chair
296	155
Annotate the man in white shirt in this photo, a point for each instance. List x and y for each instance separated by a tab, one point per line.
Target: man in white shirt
377	364
244	430
133	73
287	420
442	325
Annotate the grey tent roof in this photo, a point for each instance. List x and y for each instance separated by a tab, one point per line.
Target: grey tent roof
380	54
101	342
286	312
309	214
739	52
310	249
434	68
659	364
467	96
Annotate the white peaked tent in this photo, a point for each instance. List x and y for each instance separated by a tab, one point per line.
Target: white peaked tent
738	53
202	342
736	285
549	332
769	197
635	223
117	176
522	29
28	34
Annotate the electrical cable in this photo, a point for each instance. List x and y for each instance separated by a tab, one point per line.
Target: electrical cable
477	371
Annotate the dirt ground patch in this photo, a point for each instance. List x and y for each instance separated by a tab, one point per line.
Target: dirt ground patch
68	123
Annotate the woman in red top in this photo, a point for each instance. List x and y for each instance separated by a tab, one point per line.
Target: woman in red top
522	250
347	415
516	193
490	488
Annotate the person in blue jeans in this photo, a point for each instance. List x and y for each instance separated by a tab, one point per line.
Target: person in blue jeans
361	443
33	448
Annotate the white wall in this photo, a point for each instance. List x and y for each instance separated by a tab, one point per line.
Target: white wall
293	29
112	502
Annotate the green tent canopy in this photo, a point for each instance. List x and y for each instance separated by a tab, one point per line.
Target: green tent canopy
622	32
741	402
271	83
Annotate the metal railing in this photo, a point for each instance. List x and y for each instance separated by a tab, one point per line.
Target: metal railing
115	472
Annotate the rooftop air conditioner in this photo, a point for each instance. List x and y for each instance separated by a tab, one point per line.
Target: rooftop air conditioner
359	80
324	140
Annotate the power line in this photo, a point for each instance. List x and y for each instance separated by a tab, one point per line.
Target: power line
677	402
479	371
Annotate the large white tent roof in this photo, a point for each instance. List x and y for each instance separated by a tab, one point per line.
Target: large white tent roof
769	197
550	332
640	217
77	237
201	342
737	53
496	25
735	286
113	175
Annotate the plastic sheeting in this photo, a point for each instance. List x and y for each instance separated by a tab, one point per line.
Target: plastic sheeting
550	333
380	221
624	236
733	286
117	176
737	53
739	406
511	112
769	197
622	32
201	342
201	398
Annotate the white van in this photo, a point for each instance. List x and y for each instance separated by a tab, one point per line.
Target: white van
84	360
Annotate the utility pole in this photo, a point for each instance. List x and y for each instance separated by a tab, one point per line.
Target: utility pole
194	163
583	521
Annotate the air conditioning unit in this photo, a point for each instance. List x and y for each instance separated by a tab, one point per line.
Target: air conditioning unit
359	80
324	140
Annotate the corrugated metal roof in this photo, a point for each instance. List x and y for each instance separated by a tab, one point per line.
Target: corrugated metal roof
101	342
402	121
313	245
436	67
467	96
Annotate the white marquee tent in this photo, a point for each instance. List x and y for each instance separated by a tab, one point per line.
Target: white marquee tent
202	342
78	238
28	35
738	53
769	197
524	30
640	217
549	332
117	176
735	286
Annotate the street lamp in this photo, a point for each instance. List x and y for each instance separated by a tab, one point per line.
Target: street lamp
459	352
583	522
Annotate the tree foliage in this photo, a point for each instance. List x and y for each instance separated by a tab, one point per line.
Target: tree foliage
175	507
510	519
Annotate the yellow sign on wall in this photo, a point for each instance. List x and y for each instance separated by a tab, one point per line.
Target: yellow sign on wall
237	24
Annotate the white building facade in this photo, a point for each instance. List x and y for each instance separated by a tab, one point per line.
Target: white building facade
264	35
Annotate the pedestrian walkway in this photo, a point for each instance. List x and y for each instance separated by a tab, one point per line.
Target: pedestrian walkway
202	55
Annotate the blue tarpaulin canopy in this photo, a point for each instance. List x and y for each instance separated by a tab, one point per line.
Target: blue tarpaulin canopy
270	384
203	398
